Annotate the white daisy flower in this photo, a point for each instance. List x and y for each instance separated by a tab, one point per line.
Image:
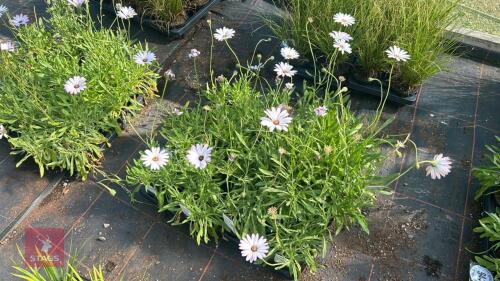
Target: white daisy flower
321	111
276	118
340	36
199	155
75	85
144	57
76	3
193	53
289	53
253	247
8	46
3	132
344	19
3	10
224	33
289	86
125	12
394	52
283	69
343	46
19	20
439	167
155	158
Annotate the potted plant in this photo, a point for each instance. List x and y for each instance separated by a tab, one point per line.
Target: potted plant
67	83
281	172
171	17
415	26
489	179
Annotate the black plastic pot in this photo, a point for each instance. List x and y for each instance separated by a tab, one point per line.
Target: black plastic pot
175	32
373	88
229	236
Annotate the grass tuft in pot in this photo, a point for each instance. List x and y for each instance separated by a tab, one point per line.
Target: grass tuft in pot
165	13
417	26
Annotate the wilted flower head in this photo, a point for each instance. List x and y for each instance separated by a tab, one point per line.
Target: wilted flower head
169	74
224	33
75	85
193	53
394	52
144	57
8	46
344	19
321	111
76	3
231	157
286	107
253	247
340	36
178	112
207	108
199	155
3	10
283	69
439	167
221	78
125	12
3	132
19	20
289	86
343	46
399	144
328	149
282	151
155	158
289	53
276	118
272	212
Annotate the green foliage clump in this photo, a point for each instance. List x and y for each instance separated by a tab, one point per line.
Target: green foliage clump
56	129
489	175
416	26
287	186
490	229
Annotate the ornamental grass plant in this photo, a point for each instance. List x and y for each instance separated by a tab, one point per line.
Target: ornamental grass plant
282	169
417	26
65	83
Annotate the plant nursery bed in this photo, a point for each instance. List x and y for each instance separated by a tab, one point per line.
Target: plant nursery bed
174	32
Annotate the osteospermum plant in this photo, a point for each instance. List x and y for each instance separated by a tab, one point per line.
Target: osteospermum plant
67	84
274	169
